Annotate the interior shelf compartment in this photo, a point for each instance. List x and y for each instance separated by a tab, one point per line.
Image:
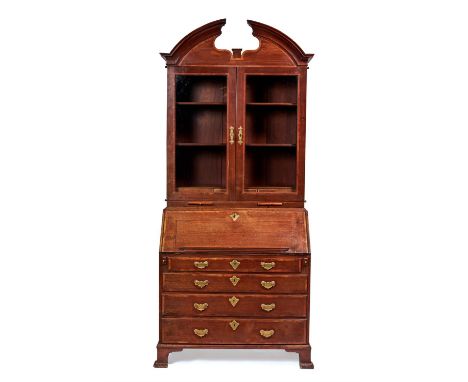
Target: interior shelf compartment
205	125
201	166
201	88
271	125
270	167
271	89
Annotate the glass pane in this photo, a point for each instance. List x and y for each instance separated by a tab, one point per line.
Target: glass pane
271	133
201	131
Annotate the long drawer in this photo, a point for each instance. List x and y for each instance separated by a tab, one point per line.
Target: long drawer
252	282
233	331
237	264
265	305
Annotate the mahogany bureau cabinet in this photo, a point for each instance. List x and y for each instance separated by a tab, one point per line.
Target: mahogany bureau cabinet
234	250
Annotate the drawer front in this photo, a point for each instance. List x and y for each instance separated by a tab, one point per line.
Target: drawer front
216	282
233	331
235	264
174	304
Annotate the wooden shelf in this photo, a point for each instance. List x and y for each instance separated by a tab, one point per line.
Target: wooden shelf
201	103
288	104
270	145
192	144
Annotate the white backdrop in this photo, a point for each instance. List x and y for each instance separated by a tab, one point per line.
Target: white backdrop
82	173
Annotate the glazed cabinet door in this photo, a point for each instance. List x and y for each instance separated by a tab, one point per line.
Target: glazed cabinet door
270	134
201	134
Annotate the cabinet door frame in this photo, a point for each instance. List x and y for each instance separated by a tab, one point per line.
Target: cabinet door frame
195	194
276	196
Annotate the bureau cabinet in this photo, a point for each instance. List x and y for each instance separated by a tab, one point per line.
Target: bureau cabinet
234	250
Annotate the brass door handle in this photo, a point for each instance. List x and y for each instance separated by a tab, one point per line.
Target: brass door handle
200	332
200	284
200	307
267	266
267	333
240	135
231	135
201	264
268	307
268	284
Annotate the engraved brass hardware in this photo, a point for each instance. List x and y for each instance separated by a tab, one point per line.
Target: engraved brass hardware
268	284
268	307
201	284
231	135
235	280
200	332
239	135
201	264
233	300
233	324
267	266
267	333
200	307
234	264
234	216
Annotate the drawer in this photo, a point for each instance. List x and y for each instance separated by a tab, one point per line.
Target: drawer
233	331
263	305
236	264
218	282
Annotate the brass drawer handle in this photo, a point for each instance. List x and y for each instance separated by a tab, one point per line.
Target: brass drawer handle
231	135
267	333
234	280
268	307
267	266
234	264
201	284
268	284
201	264
200	307
200	332
240	135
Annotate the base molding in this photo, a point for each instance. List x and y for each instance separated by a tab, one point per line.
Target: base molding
163	351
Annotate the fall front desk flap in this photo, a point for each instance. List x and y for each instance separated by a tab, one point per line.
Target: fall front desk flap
282	230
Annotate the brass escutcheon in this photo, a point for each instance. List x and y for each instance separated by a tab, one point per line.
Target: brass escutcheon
200	307
268	307
267	333
268	284
234	280
231	135
233	324
201	264
234	264
200	332
234	216
233	300
201	284
267	266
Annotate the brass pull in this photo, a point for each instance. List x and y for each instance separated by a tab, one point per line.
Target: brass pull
233	324
268	307
239	135
267	333
231	135
233	300
200	307
201	284
201	264
200	332
267	266
268	284
234	280
234	264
